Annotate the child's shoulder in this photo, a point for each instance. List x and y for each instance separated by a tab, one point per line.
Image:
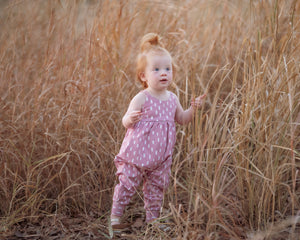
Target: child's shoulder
140	97
173	95
137	101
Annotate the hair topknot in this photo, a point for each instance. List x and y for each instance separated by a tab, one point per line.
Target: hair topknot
150	40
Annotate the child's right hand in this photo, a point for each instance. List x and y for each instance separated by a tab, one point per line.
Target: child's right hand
134	113
135	116
131	118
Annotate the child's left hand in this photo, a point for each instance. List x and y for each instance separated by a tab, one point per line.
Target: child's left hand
197	103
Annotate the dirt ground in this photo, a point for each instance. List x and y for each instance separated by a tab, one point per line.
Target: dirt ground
60	227
83	228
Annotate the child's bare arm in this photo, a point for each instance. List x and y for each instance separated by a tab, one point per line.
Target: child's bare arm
134	114
185	116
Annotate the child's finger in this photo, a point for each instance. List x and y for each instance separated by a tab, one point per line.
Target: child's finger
136	116
197	102
201	97
136	113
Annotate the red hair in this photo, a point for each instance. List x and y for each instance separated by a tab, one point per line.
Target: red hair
150	43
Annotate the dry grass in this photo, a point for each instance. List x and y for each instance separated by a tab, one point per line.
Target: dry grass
67	76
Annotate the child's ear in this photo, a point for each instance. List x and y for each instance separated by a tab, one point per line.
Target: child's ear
142	76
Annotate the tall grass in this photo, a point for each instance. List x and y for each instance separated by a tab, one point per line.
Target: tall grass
67	76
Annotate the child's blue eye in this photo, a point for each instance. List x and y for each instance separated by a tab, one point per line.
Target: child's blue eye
156	69
168	69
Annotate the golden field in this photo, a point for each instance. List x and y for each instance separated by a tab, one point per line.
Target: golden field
67	75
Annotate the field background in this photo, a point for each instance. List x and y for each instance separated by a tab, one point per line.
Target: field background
67	74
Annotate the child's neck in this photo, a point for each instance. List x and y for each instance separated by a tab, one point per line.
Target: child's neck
161	95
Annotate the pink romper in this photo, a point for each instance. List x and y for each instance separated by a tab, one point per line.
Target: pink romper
146	154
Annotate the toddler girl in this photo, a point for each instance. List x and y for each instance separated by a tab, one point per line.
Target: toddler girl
146	151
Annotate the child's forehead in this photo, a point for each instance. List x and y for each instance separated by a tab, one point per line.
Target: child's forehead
159	58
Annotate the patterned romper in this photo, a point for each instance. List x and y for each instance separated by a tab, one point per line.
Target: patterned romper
146	154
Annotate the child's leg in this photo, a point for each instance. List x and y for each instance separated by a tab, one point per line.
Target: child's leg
155	184
129	179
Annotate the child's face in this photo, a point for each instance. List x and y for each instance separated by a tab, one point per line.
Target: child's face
158	72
